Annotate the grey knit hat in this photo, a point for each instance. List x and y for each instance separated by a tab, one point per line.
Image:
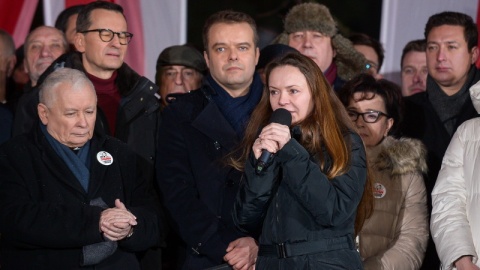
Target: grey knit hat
317	17
182	56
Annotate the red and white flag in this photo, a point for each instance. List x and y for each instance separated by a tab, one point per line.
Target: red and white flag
155	25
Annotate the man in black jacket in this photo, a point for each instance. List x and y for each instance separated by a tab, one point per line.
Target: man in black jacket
128	108
434	115
198	130
71	198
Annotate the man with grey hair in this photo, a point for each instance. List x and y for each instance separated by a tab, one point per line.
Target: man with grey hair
70	197
42	46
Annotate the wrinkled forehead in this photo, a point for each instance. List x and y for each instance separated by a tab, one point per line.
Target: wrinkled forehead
45	34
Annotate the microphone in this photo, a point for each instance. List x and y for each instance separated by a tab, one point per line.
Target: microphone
280	116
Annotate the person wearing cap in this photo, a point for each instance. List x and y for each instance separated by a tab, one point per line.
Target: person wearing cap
311	29
270	53
180	70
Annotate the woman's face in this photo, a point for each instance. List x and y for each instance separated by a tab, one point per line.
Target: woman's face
289	90
371	133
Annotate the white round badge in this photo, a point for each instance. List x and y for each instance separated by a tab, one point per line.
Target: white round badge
104	158
379	191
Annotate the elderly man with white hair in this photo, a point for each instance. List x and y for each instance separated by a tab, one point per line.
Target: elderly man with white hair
69	197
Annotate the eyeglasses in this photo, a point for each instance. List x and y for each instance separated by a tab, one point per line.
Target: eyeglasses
370	65
368	117
106	35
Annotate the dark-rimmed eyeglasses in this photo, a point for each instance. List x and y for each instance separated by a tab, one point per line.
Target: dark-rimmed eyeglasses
368	117
106	35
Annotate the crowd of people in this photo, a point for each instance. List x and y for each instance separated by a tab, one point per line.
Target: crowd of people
296	156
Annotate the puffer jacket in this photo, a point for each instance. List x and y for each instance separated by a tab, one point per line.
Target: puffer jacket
455	220
306	220
396	235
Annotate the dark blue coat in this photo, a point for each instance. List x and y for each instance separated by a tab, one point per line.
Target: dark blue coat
197	188
294	202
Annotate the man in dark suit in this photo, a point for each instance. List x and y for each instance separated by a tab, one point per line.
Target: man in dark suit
70	197
198	130
433	116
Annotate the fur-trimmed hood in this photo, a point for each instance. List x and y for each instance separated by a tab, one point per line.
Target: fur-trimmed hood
400	156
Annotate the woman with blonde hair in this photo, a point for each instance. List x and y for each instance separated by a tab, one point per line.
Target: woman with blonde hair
304	202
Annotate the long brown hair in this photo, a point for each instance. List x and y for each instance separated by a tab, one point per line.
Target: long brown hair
324	127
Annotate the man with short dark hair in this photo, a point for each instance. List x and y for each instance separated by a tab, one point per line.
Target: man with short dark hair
128	107
413	64
198	131
373	51
66	22
433	116
71	198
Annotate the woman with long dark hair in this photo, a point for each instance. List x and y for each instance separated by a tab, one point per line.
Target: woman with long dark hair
304	203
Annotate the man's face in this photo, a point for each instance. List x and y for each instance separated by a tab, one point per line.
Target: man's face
101	58
70	30
414	73
372	58
231	56
44	45
71	116
448	57
178	79
315	45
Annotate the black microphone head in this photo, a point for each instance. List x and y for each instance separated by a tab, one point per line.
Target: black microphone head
281	116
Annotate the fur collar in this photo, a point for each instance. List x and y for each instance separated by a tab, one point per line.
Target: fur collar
401	156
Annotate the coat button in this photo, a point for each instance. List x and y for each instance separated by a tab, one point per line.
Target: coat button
230	183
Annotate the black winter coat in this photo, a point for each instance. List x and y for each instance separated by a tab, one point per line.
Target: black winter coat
138	117
422	122
294	202
45	214
197	188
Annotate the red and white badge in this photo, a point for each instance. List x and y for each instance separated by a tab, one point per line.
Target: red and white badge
379	191
104	158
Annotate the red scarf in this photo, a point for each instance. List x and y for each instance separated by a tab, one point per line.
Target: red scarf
108	98
331	73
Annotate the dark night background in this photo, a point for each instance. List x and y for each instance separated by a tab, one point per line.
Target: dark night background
352	16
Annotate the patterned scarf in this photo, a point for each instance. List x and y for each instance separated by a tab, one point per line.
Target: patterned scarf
237	110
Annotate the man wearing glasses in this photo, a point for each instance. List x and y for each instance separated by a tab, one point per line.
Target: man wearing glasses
128	108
